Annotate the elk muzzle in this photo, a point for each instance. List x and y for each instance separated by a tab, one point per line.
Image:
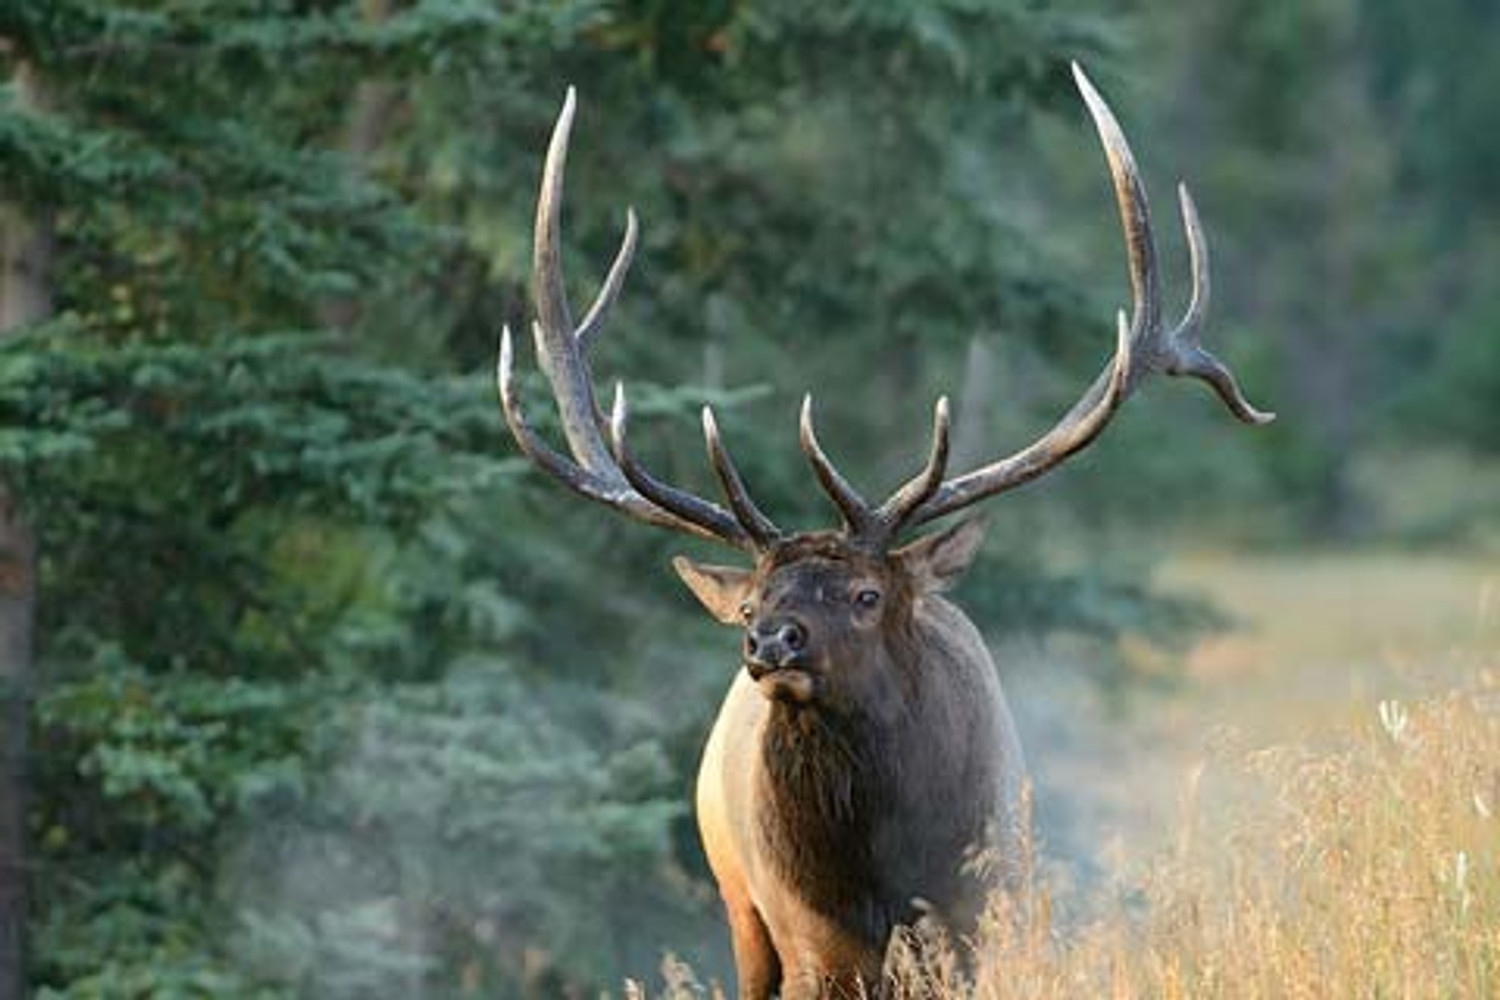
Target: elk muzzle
776	657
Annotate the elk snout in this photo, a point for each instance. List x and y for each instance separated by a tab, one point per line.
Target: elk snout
773	644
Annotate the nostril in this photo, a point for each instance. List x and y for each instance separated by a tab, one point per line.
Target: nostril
752	645
792	637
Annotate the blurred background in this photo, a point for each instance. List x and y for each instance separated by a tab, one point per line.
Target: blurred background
313	688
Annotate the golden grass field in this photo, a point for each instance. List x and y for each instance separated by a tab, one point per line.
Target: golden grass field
1315	813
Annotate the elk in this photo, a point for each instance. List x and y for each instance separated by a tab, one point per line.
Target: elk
865	751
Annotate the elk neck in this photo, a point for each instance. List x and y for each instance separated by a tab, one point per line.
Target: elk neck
867	805
831	776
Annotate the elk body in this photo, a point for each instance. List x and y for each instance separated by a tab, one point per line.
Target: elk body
864	762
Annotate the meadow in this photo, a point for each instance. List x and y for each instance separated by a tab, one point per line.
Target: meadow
1330	831
1311	812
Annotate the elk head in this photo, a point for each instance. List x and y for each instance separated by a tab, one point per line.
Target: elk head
827	620
816	602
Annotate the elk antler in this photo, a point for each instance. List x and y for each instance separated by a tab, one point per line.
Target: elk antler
1143	346
606	473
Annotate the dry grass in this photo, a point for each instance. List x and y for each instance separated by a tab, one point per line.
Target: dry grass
1370	869
1328	841
1365	871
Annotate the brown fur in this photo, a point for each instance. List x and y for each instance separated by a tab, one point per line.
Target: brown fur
829	823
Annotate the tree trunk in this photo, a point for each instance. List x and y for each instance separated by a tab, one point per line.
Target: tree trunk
975	424
17	605
26	249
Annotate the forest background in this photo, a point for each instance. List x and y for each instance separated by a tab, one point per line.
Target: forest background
311	687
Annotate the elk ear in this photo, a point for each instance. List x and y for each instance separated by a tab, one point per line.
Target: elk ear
935	562
723	590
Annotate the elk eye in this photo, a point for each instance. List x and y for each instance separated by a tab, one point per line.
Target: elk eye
747	612
867	599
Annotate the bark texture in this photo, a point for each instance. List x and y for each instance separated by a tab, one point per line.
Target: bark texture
26	252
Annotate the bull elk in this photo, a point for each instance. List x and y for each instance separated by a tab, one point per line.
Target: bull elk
866	749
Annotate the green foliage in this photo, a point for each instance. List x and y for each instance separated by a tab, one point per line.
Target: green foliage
1434	78
264	455
458	829
1434	73
145	772
366	837
1458	399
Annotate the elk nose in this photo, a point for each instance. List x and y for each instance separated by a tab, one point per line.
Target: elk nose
772	644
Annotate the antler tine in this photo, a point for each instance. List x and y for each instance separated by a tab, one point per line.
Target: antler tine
529	441
557	348
1074	432
858	516
1190	327
577	478
593	320
1185	342
546	248
1144	347
1135	210
711	520
760	528
894	513
610	476
1179	352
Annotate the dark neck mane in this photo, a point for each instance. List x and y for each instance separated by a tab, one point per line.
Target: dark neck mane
830	780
